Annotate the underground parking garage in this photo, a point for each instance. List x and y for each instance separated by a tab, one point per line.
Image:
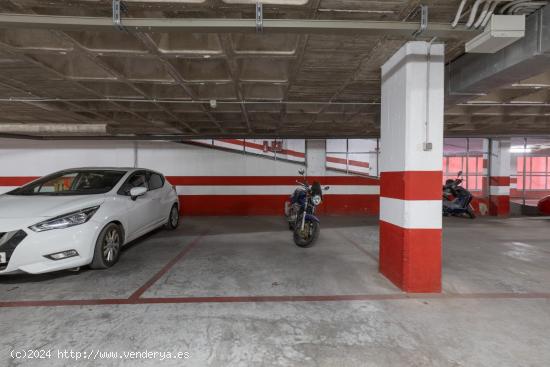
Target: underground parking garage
274	183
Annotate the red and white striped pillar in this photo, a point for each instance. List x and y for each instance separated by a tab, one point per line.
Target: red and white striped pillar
411	167
499	177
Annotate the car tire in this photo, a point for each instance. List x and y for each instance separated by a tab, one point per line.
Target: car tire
173	218
108	247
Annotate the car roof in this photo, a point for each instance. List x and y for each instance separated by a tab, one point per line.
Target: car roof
127	169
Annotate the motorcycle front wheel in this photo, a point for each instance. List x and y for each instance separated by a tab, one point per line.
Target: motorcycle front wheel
308	236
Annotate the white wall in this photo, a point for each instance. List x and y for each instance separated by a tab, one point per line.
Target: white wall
174	159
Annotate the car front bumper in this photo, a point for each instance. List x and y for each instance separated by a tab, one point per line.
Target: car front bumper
29	254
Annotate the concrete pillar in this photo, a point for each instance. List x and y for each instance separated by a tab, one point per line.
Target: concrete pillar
316	151
411	167
499	177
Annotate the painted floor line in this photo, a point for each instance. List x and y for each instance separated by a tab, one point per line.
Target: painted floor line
274	299
141	290
359	247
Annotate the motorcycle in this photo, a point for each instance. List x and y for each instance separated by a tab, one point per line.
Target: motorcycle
457	201
300	212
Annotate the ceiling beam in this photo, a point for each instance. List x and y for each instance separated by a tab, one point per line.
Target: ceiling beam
225	25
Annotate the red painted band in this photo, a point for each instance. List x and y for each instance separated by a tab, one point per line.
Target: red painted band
411	185
267	180
348	162
499	205
499	181
411	258
242	143
241	205
16	181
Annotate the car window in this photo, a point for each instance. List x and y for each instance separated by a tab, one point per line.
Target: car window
155	181
137	179
74	182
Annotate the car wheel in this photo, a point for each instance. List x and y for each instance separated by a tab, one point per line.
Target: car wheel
108	246
173	218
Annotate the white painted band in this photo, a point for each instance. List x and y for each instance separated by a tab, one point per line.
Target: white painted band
258	190
420	214
273	190
500	190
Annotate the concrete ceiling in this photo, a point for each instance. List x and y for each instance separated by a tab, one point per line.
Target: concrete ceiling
182	84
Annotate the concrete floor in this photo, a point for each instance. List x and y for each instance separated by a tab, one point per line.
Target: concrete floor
237	292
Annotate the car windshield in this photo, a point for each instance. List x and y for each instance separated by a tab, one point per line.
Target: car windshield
74	182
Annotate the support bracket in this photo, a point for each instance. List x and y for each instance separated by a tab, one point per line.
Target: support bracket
118	8
424	15
259	17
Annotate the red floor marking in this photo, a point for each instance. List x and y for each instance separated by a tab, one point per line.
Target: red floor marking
359	247
166	267
274	299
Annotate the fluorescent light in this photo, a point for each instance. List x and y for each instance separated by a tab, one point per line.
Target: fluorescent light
520	149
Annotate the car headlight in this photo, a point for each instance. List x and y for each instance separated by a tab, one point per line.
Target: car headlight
316	200
66	220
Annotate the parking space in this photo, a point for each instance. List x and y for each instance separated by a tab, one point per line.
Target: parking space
237	291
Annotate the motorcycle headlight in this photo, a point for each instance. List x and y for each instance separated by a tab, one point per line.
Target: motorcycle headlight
66	220
316	200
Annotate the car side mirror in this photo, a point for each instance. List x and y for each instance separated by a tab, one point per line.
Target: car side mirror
137	191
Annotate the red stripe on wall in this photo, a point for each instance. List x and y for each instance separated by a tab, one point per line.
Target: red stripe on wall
227	205
411	258
348	162
248	144
499	181
15	181
411	185
267	180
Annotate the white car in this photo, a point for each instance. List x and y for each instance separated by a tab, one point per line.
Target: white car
81	216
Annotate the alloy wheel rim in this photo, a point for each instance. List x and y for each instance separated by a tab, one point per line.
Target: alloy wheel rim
111	245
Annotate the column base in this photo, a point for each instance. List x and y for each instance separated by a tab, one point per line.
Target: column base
499	205
411	258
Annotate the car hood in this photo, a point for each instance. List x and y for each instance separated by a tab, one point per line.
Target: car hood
38	206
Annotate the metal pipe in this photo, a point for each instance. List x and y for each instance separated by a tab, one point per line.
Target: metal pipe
144	100
505	8
458	13
428	79
484	12
227	25
533	5
491	12
473	13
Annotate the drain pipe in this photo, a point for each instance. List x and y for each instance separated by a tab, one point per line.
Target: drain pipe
427	146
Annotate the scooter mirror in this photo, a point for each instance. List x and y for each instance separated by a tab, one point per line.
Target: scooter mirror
459	173
301	172
326	188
